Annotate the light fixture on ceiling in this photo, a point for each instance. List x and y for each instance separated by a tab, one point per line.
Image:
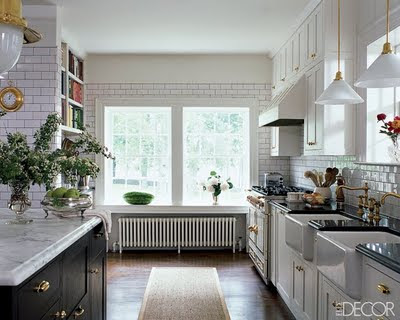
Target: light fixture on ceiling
384	72
339	91
14	32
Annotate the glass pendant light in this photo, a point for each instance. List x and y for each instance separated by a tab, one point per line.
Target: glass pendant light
13	33
385	71
339	91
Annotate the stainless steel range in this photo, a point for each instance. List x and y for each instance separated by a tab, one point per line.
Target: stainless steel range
259	224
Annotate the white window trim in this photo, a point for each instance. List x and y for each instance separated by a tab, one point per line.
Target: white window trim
176	106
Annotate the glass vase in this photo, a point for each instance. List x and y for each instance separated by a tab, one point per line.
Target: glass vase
215	200
394	152
19	203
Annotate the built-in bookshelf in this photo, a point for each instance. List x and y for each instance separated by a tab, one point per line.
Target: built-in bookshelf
72	89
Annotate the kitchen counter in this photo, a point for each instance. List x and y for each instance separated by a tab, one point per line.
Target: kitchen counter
24	249
387	254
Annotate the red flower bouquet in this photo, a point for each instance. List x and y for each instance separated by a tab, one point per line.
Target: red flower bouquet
390	128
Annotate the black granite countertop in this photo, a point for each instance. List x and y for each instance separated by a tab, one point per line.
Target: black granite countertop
388	254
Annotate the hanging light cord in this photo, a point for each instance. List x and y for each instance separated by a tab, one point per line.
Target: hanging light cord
338	73
387	47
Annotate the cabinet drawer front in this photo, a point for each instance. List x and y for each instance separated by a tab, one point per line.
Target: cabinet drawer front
381	288
53	312
40	293
97	241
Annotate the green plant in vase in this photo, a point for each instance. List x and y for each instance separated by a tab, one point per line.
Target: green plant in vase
24	165
215	184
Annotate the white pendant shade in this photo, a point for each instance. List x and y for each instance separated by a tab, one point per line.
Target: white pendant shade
383	73
11	38
339	92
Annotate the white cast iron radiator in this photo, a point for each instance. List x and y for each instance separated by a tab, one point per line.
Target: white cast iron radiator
185	232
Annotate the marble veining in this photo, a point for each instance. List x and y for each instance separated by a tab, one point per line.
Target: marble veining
24	249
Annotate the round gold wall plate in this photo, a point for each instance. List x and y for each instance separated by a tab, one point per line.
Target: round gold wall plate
11	99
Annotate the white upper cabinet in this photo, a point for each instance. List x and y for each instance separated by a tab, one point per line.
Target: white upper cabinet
312	50
314	121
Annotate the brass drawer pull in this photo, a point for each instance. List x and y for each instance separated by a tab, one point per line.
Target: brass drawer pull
95	270
299	268
283	79
296	69
42	287
78	312
98	235
273	87
60	315
383	289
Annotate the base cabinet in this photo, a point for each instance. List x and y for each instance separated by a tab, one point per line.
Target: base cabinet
72	286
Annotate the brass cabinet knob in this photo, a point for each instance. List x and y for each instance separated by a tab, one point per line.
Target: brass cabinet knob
296	69
299	268
283	79
78	312
95	270
60	315
273	87
42	287
383	288
98	235
337	305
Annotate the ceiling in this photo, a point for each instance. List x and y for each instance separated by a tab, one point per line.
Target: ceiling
179	26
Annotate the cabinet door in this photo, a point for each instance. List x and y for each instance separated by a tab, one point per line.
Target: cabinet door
302	47
82	310
272	260
252	222
330	302
274	141
289	57
310	38
283	63
298	283
75	277
318	45
309	125
283	258
310	294
260	235
295	53
314	121
277	72
97	275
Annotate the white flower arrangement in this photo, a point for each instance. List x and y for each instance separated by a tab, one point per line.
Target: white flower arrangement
215	184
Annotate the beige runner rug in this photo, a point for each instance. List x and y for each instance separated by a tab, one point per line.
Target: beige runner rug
183	293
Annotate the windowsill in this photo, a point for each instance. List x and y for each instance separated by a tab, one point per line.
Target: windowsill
390	164
239	208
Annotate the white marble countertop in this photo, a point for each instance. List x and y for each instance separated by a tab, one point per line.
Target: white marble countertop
24	249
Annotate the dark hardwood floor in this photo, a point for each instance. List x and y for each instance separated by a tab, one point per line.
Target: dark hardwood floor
247	297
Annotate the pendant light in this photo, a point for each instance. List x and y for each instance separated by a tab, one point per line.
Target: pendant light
385	71
13	33
339	91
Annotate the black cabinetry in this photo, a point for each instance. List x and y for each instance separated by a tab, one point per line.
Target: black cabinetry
72	286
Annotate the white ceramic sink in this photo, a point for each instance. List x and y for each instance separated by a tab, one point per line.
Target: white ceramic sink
300	236
338	260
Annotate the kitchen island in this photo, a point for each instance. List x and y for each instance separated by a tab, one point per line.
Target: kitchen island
53	268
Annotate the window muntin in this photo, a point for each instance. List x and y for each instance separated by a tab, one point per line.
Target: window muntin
140	138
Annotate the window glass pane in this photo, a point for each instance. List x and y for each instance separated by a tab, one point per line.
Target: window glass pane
379	100
215	139
140	138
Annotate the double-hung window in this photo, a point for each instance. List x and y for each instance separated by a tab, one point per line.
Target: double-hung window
170	150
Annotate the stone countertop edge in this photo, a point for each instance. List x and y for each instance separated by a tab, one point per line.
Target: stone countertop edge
380	258
29	267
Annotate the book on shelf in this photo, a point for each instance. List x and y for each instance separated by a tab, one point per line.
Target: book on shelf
75	91
72	116
75	65
63	86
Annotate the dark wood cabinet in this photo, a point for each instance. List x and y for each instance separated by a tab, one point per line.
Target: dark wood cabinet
72	286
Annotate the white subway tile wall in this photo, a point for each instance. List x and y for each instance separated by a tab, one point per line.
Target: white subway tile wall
380	178
38	75
259	91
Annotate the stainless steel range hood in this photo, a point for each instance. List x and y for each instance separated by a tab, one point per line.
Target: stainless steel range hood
287	108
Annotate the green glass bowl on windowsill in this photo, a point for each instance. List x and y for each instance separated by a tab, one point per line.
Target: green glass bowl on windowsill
138	198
